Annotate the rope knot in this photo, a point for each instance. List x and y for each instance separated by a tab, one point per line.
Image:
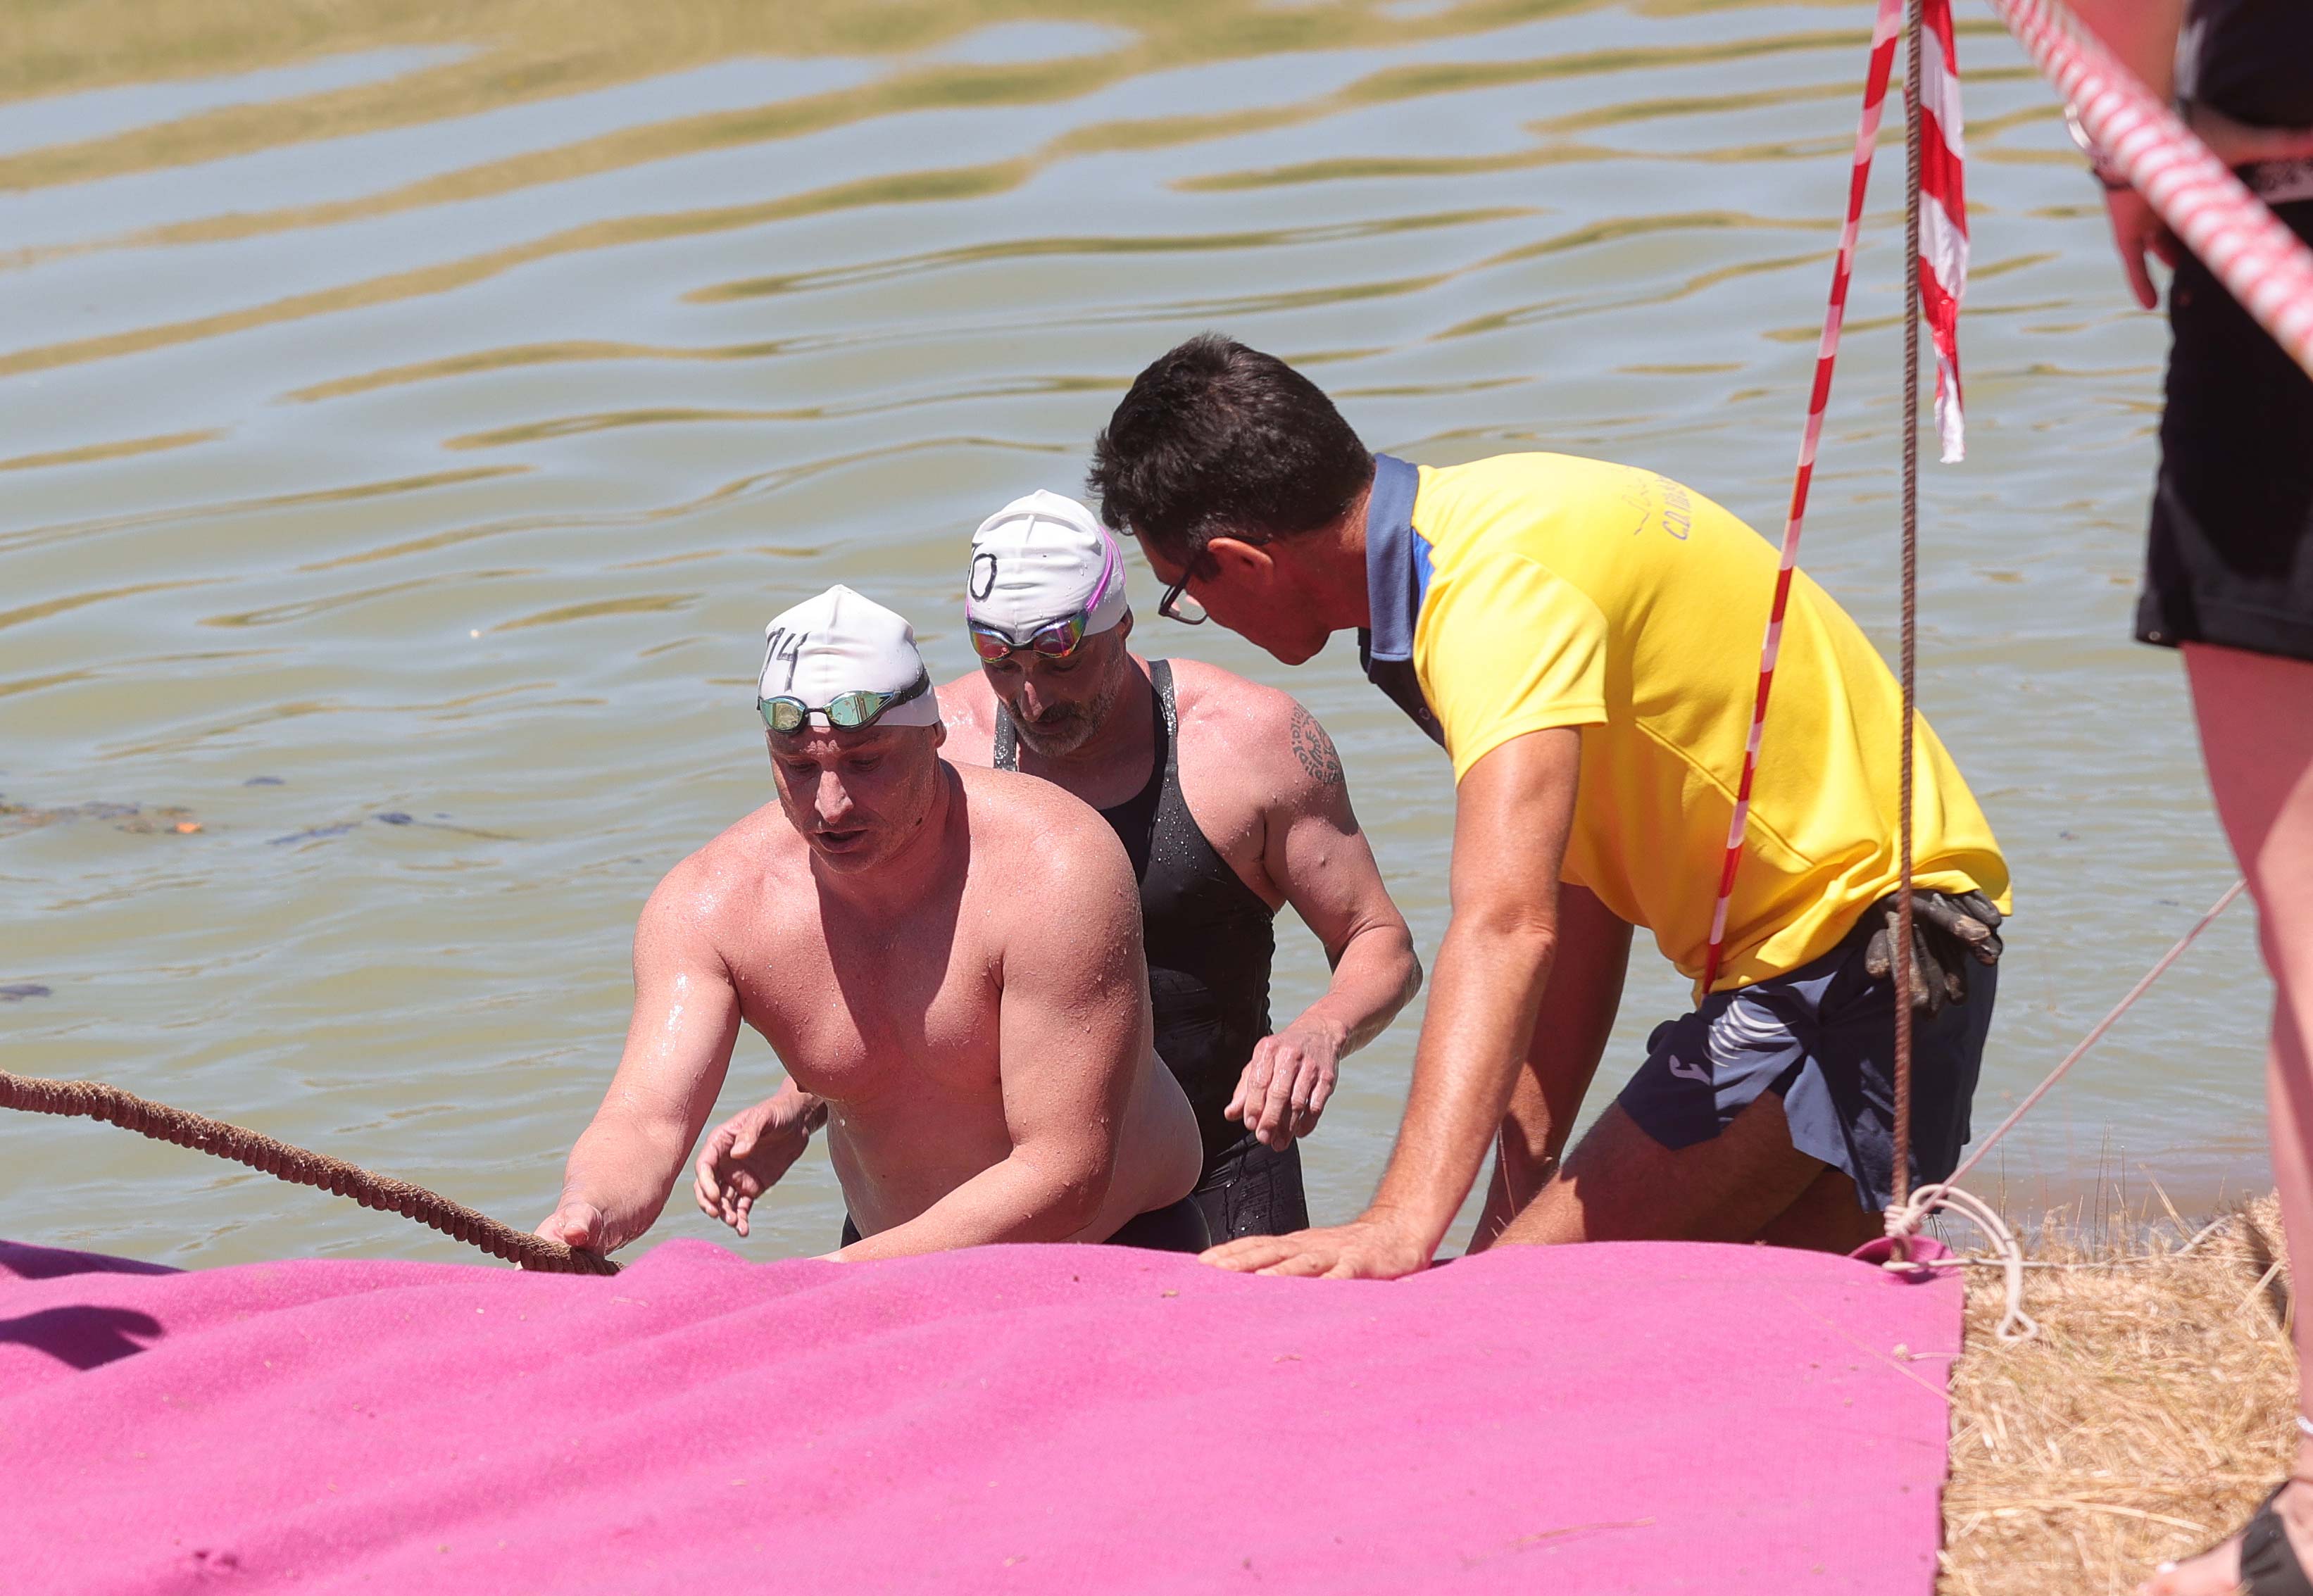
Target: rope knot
1904	1223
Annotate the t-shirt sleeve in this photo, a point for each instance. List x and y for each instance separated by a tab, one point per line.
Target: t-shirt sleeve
1505	647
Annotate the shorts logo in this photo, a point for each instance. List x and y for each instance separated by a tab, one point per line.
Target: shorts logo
1688	1071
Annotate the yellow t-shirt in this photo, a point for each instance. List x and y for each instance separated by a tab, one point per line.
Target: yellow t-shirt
1558	592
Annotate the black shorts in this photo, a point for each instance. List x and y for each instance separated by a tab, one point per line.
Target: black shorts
2231	556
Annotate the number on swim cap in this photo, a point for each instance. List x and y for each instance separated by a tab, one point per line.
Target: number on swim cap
784	644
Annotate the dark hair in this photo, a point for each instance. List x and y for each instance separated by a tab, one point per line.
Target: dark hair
1215	439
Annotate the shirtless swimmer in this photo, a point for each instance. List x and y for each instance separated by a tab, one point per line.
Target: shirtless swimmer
1230	802
950	957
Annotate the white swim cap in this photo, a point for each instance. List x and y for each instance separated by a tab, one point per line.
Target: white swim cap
1040	559
840	643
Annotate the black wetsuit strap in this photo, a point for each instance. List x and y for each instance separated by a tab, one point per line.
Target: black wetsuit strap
1005	755
1134	820
1168	721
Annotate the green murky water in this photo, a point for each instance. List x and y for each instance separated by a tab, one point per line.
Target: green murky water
409	413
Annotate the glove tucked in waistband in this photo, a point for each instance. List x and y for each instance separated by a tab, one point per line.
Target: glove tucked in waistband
1946	933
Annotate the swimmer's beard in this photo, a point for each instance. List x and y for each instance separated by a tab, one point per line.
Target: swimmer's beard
1060	738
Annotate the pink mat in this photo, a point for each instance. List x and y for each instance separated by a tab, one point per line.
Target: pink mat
1581	1420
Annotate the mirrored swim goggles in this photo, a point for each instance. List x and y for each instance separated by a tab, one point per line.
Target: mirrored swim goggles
1052	639
845	712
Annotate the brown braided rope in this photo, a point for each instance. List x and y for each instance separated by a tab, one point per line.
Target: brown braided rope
93	1099
1900	1179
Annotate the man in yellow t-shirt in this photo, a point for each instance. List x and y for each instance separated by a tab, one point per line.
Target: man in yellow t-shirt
1582	639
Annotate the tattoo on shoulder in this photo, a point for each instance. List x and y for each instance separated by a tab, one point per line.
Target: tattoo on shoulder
1314	750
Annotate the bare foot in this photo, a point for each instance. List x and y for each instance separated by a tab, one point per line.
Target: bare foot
2217	1571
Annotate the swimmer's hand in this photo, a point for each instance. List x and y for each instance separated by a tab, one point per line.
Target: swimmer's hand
1286	1083
577	1226
750	1151
1376	1246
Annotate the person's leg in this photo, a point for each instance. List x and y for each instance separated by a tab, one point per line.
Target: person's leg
1622	1185
1569	1038
1544	1104
1767	1114
2257	734
1827	1217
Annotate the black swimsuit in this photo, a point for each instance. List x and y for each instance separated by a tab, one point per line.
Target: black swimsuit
1209	941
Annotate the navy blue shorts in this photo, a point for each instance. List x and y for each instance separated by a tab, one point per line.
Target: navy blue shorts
1822	1038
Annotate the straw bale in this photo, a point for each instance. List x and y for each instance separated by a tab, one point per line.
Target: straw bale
2146	1420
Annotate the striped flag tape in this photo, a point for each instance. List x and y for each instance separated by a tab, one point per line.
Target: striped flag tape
2264	266
1867	137
1943	216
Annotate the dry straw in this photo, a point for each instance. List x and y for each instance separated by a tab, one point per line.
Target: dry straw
2145	1421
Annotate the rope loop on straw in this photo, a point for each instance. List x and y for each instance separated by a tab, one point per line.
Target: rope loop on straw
93	1099
1904	1223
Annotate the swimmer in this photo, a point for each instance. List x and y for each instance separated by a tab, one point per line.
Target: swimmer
1229	799
948	960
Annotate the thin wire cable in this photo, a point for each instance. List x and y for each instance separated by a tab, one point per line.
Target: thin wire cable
1905	1220
94	1100
2103	1025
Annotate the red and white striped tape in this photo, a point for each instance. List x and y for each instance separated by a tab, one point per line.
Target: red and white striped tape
1867	138
2264	265
1943	216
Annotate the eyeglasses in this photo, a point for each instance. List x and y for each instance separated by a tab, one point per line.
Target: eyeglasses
848	712
1179	604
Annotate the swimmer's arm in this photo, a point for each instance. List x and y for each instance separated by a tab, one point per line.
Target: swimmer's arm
1048	1189
686	1020
747	1154
1074	1034
1318	858
1514	810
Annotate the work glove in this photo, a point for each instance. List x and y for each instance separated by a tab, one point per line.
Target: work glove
1946	931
